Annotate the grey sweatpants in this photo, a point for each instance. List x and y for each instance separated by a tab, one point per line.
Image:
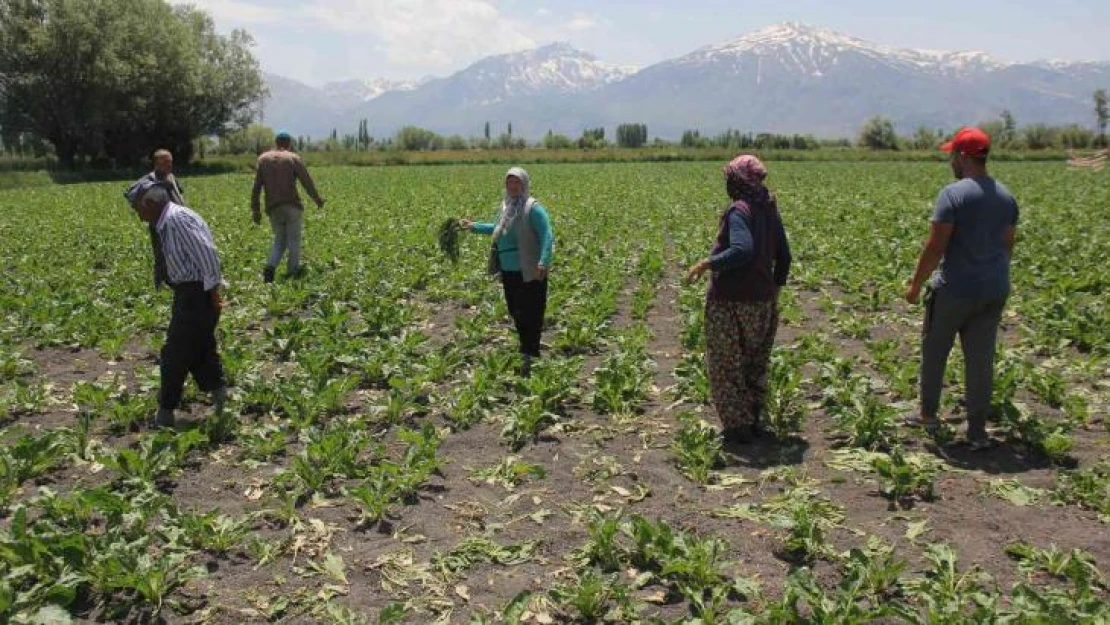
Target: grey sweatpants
287	222
976	321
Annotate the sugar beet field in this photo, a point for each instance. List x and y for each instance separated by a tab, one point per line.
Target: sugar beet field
380	462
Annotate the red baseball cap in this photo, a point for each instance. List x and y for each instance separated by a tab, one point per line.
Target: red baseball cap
969	142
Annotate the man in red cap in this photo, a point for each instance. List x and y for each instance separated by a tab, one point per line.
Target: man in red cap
969	248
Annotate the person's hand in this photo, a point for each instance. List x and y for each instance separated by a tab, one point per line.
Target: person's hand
217	300
541	272
256	217
913	293
465	224
697	271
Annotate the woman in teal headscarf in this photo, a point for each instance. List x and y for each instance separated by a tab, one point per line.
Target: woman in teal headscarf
521	256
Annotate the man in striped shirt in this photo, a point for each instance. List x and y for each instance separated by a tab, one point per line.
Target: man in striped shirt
191	266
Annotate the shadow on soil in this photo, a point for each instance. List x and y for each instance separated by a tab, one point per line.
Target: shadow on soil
1003	458
766	452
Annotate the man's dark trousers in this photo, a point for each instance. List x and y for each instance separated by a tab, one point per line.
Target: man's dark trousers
190	345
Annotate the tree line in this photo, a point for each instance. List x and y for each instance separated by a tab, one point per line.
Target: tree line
112	80
256	138
879	133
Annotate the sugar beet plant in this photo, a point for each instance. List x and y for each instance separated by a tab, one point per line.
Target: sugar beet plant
785	402
624	378
697	449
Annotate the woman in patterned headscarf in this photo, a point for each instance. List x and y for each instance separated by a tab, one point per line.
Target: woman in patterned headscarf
521	255
749	263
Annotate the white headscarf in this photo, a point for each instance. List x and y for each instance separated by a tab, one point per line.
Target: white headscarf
513	206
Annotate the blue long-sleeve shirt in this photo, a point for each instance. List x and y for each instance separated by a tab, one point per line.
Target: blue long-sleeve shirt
507	246
741	249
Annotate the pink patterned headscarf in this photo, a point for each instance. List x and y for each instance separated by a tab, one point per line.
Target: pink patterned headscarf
746	169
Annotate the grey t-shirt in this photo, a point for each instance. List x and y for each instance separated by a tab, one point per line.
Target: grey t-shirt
977	262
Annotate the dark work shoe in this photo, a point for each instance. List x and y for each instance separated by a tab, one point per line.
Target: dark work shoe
164	418
981	444
737	436
930	425
268	275
526	366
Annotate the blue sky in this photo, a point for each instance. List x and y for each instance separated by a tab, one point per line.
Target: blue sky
317	41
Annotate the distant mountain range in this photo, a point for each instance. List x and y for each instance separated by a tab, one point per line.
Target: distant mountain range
789	78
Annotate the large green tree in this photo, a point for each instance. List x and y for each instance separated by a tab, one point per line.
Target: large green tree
878	134
116	79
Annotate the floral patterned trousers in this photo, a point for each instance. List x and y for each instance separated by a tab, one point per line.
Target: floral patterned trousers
738	341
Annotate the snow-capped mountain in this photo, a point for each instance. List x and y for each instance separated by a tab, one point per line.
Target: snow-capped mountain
557	67
553	69
813	51
784	78
795	78
349	93
521	88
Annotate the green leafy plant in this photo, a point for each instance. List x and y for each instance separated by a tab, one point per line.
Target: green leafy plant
946	594
590	598
26	458
697	449
1087	488
863	419
263	444
376	494
1084	601
803	513
510	473
784	403
693	380
1053	441
602	547
212	532
525	421
623	379
903	477
447	238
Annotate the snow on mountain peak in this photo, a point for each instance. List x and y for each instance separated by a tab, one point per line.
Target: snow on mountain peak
354	91
556	67
812	50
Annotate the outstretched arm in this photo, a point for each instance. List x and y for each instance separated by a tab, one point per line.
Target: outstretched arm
477	227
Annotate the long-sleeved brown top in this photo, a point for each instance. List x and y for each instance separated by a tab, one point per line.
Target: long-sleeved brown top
278	171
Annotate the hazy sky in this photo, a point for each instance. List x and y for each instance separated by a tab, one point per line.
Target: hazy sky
317	41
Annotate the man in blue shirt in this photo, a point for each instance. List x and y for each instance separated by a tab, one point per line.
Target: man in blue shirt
970	245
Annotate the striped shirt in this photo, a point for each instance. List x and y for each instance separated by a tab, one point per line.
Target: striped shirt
188	246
